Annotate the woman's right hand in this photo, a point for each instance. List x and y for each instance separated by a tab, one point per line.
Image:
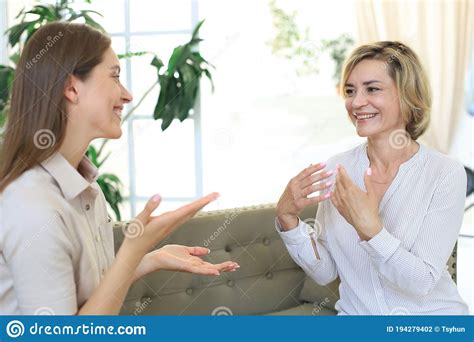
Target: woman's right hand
295	197
146	231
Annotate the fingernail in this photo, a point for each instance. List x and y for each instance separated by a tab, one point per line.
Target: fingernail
208	251
337	166
327	195
329	183
322	164
330	172
156	198
369	172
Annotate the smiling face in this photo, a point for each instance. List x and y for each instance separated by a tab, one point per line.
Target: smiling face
100	100
372	100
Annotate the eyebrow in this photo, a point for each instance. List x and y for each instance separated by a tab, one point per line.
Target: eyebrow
365	83
115	68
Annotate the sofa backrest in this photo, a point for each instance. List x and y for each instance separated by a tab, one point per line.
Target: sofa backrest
268	279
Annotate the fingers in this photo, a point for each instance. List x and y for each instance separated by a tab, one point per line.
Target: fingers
151	205
198	251
316	199
189	210
315	187
311	179
310	170
368	181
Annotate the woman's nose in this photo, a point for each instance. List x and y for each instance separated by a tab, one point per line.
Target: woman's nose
359	99
126	96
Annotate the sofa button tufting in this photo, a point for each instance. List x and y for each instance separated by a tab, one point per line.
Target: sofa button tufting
269	275
189	292
266	241
230	283
227	248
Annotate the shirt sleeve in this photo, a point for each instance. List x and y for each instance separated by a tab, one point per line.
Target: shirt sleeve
417	271
310	252
37	249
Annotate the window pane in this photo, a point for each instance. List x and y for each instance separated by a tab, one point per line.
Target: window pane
113	19
164	161
160	15
265	122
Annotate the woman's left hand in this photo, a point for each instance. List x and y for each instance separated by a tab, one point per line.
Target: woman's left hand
359	208
182	259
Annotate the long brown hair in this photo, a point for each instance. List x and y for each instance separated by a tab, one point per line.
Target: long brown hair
36	120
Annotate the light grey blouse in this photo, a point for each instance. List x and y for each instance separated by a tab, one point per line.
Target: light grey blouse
56	240
403	268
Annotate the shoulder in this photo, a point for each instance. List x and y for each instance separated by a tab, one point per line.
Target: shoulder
443	167
30	204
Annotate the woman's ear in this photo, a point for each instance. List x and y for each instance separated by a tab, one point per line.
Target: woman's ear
71	89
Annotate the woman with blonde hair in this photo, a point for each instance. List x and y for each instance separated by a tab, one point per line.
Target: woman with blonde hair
56	241
395	206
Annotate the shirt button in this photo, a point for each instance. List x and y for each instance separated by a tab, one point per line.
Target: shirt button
97	238
102	272
88	206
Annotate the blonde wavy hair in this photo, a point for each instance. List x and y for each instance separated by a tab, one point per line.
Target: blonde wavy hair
404	67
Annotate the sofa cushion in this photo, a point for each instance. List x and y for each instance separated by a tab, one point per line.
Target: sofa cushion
268	279
305	309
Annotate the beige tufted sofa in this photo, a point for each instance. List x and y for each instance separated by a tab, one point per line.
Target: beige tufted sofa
268	282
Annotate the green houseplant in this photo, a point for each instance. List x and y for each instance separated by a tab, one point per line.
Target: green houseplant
179	80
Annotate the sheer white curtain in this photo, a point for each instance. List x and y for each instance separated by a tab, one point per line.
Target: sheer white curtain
442	34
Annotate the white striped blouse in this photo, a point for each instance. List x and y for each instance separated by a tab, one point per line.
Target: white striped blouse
403	268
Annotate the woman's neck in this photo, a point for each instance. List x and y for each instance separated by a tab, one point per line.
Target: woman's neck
74	147
386	157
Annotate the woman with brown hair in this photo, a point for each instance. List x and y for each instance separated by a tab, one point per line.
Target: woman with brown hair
56	242
396	206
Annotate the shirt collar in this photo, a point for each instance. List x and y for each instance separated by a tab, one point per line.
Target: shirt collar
72	182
